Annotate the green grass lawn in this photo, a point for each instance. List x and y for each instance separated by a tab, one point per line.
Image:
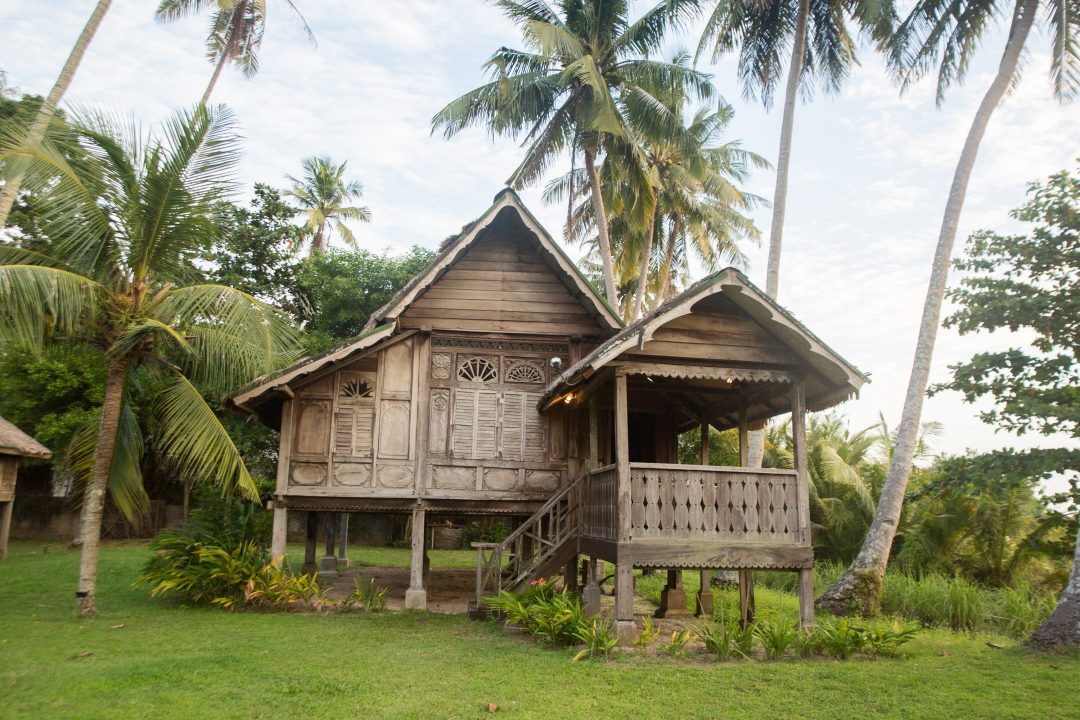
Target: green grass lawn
154	659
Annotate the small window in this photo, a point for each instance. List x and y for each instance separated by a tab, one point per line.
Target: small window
477	369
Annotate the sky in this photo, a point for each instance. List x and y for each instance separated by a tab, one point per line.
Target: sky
871	168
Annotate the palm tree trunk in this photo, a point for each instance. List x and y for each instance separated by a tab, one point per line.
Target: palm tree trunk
601	227
756	450
94	501
213	80
783	162
1062	628
319	243
859	588
643	276
669	259
48	108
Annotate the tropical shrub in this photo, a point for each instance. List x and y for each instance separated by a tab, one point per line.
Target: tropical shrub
647	635
366	596
743	639
679	644
885	640
719	638
839	638
275	587
599	636
201	573
775	637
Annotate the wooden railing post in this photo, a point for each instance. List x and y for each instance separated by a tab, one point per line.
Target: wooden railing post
798	434
622	454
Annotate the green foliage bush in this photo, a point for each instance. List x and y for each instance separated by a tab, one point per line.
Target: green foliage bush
200	572
366	596
775	637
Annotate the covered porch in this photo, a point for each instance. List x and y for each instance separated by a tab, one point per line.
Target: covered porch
720	356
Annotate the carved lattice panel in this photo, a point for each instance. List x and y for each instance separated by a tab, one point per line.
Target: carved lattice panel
524	370
477	368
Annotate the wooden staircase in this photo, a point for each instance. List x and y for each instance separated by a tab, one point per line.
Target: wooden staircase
538	548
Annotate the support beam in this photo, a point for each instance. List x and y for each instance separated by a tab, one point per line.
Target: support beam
5	527
705	454
329	562
594	435
622	456
798	435
806	598
747	604
624	603
416	595
570	576
343	542
310	540
279	535
590	596
704	595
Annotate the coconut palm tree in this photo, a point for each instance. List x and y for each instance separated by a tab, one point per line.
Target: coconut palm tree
12	173
124	227
822	52
840	463
699	207
322	194
947	34
586	65
236	32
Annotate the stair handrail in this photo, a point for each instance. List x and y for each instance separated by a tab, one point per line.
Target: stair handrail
489	555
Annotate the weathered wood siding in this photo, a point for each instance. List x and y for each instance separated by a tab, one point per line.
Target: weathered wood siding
9	466
501	284
717	330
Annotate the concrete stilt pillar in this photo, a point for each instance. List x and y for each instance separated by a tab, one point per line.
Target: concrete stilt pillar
673	596
416	595
279	535
590	595
624	603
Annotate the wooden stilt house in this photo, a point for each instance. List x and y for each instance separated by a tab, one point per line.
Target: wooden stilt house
14	444
499	381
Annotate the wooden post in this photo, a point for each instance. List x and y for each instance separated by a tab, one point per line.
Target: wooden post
806	598
624	603
343	541
310	540
798	434
594	434
704	595
570	578
590	596
5	527
280	535
622	455
416	595
747	603
705	455
329	562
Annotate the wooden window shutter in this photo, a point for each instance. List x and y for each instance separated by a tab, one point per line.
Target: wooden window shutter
475	424
513	425
535	444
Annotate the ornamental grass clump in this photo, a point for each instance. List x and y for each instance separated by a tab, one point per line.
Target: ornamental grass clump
368	597
775	637
719	638
599	636
679	644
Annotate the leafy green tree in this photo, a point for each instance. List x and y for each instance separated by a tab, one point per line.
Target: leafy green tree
340	290
120	276
323	194
585	78
1029	283
254	252
236	32
982	516
12	169
947	33
51	393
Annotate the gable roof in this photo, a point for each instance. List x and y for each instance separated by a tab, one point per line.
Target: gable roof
455	247
845	379
14	441
308	365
